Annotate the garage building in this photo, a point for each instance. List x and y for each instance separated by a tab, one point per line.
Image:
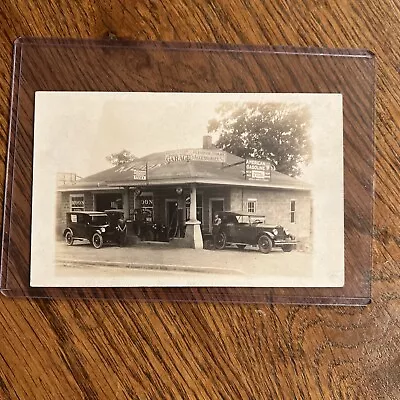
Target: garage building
192	185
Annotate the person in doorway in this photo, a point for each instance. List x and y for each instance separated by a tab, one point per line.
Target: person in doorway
216	226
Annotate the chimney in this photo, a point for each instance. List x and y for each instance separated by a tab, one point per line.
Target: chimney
207	142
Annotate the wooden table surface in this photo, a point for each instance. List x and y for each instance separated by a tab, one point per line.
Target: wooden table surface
73	349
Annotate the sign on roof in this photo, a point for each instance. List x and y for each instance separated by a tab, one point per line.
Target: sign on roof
139	174
138	169
258	170
195	155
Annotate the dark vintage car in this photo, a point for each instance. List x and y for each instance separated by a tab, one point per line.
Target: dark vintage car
147	229
242	229
94	226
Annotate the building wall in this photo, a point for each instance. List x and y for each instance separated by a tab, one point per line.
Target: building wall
275	205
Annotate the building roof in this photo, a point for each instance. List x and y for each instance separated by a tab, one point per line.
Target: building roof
161	172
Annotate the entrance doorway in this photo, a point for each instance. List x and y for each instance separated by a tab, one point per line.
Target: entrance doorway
108	201
174	218
216	205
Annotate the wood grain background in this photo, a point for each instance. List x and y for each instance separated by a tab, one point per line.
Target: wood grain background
75	349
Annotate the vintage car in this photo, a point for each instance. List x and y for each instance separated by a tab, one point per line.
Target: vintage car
90	225
147	229
243	229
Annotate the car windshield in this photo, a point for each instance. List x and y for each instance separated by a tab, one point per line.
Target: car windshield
99	220
250	219
242	219
257	220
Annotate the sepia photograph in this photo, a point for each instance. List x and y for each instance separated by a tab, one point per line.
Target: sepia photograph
187	189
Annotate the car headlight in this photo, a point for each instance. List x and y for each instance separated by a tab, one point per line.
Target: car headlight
102	230
275	231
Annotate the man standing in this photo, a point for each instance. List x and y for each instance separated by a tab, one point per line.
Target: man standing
216	227
121	230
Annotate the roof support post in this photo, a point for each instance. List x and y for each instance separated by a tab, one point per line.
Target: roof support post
125	202
193	232
193	203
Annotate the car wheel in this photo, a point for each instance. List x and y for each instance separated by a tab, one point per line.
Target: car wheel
241	246
97	240
69	238
287	249
264	244
220	241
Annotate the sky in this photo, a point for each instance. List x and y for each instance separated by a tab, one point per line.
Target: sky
82	128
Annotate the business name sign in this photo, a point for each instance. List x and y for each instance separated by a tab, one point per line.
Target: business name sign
195	155
258	170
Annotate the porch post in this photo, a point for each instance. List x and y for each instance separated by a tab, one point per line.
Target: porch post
193	231
125	202
193	204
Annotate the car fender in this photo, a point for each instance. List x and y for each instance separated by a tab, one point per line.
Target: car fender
269	234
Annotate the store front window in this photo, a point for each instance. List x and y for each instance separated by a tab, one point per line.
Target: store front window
146	205
199	207
77	202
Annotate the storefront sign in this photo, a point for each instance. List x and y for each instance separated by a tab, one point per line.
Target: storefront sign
258	170
146	201
139	174
195	155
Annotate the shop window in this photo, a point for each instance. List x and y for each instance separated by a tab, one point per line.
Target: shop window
292	211
199	207
77	202
146	205
252	206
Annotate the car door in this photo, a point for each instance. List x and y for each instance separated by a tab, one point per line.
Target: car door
81	226
245	232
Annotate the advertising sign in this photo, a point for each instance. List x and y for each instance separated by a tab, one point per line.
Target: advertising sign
139	174
258	170
139	170
195	155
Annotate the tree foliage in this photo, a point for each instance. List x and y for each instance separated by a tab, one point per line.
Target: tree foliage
277	132
122	157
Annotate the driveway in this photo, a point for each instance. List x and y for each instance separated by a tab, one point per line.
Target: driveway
160	258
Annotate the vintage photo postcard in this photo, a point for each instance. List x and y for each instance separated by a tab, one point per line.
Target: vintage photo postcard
187	189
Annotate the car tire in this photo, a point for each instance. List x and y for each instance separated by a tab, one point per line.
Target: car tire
265	244
241	246
287	248
69	238
220	241
97	240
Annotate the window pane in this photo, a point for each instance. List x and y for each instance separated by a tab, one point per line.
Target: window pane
293	205
251	206
77	202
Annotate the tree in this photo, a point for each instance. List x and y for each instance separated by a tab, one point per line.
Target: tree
123	157
276	132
